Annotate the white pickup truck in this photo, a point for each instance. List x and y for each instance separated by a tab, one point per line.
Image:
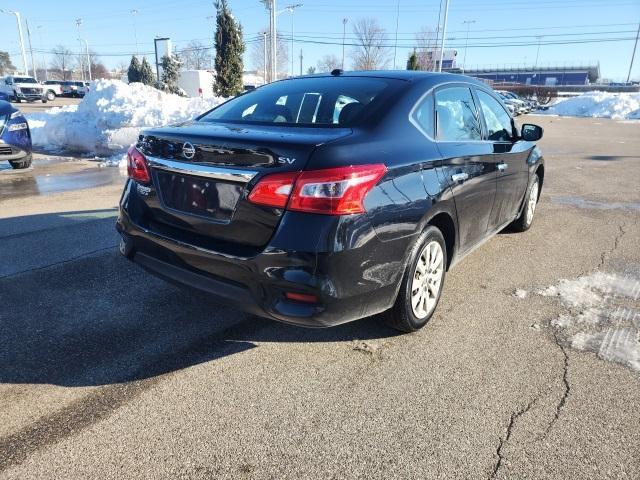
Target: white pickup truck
19	88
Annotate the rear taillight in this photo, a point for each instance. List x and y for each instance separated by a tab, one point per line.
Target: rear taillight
333	191
137	167
274	190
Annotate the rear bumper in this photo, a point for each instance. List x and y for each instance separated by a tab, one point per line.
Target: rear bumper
348	283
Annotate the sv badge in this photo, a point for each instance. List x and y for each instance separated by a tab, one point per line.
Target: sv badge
286	160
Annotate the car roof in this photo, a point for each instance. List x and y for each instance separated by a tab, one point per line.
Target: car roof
407	75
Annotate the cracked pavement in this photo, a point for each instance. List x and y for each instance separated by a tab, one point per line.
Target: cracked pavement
106	372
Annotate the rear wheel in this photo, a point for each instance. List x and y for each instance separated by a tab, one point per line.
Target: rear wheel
422	283
524	221
51	96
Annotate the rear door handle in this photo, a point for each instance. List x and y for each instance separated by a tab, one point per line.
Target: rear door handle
459	177
502	167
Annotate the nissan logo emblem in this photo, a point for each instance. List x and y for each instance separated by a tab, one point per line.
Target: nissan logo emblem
188	151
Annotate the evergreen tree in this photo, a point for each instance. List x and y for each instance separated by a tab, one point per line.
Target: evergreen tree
229	50
133	74
146	73
170	73
311	70
413	63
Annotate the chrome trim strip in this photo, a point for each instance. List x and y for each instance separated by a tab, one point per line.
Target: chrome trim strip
199	170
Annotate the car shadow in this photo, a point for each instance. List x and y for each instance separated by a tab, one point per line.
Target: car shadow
98	319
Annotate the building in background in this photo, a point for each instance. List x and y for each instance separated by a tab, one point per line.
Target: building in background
549	76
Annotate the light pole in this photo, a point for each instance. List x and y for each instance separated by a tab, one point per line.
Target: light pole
466	43
46	71
264	37
78	23
24	54
344	34
444	33
135	13
635	45
395	47
33	63
537	52
86	44
291	9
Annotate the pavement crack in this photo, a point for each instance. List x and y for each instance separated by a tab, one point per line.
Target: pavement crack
507	436
614	247
566	386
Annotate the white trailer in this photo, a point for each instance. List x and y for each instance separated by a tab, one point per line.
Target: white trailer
197	83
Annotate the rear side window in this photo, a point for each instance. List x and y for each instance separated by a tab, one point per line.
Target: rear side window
423	116
456	116
320	101
498	121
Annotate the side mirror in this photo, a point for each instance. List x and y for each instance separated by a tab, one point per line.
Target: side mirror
531	133
8	82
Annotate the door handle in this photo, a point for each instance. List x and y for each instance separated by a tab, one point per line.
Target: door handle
502	167
459	177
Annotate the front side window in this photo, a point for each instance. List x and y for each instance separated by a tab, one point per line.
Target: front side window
499	128
320	101
456	116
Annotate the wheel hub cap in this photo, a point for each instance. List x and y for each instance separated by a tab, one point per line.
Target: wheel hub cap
427	280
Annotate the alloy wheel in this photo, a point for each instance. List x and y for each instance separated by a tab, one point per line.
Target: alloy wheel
427	280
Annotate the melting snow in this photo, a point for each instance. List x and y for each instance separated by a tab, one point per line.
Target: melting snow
110	116
604	316
599	104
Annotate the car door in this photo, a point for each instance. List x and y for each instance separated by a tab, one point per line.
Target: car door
468	161
510	155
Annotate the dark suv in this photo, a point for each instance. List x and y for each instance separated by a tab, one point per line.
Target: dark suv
324	199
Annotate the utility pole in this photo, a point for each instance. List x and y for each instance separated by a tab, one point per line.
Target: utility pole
635	45
395	47
300	62
466	43
437	42
344	34
274	42
444	33
24	54
33	64
86	44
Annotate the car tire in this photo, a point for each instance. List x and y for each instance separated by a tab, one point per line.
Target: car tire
44	100
525	220
422	283
51	96
18	165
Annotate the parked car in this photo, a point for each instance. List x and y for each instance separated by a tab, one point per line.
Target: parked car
74	89
274	204
527	103
22	87
15	137
52	89
518	106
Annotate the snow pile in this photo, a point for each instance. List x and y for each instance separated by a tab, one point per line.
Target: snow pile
599	104
110	116
604	316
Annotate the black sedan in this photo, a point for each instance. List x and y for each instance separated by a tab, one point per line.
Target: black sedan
323	199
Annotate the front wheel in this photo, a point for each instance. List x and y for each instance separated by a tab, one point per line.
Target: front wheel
20	164
422	283
51	96
524	221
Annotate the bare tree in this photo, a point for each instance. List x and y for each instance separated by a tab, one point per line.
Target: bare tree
196	56
61	60
427	50
282	55
371	52
328	63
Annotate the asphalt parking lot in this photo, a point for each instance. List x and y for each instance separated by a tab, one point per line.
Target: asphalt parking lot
106	372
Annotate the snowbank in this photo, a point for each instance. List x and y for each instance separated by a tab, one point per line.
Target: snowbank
110	116
599	104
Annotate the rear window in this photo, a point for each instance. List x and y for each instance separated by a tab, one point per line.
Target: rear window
322	101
